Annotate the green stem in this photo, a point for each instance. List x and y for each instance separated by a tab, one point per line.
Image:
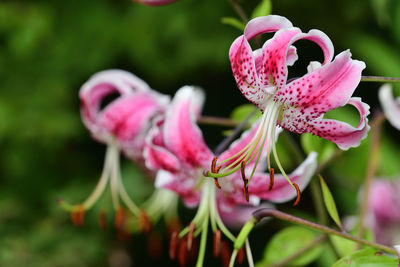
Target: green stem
219	121
203	242
233	258
376	127
267	212
380	79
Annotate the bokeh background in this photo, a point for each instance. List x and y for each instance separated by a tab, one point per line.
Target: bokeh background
48	49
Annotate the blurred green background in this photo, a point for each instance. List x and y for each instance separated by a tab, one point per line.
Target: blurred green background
48	49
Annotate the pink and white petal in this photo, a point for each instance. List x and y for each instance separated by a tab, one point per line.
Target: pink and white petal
326	88
313	66
342	134
397	248
133	81
181	184
320	39
390	106
126	117
156	156
282	191
236	216
243	63
275	50
182	136
291	56
271	23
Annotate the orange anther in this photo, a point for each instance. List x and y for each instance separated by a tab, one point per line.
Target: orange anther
190	235
214	164
119	218
145	222
298	195
240	256
225	254
78	215
245	181
271	178
217	243
173	245
217	183
182	252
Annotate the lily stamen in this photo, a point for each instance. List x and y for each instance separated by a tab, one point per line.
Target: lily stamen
217	244
298	195
245	181
271	178
190	236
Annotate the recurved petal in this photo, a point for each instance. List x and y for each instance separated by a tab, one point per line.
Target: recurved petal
181	134
180	183
324	89
236	216
271	23
390	106
274	66
243	63
282	191
341	133
156	155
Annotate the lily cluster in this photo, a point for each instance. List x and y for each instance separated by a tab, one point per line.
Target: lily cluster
161	135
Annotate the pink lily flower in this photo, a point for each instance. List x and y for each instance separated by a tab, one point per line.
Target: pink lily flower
390	105
121	125
296	105
397	248
155	2
384	211
175	146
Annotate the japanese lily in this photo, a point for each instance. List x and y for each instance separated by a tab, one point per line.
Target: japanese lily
121	125
297	105
391	106
175	146
384	211
397	248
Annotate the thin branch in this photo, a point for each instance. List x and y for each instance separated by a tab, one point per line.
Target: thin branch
226	142
267	212
210	120
380	79
376	126
239	10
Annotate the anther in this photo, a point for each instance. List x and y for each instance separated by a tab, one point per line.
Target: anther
298	194
217	243
240	256
78	215
217	183
102	220
145	222
119	218
182	252
245	181
173	245
271	178
225	254
192	227
214	164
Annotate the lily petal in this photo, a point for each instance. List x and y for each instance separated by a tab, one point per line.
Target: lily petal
326	88
156	155
271	23
282	191
244	70
344	135
181	183
390	106
181	134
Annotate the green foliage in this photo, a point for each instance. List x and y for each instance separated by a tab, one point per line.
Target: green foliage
234	22
367	258
330	203
325	148
264	8
289	241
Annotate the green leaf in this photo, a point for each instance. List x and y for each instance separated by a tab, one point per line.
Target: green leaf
264	8
243	111
233	22
289	241
330	202
345	246
324	147
367	258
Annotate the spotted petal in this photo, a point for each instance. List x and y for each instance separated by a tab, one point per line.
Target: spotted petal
390	106
324	89
181	134
271	23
